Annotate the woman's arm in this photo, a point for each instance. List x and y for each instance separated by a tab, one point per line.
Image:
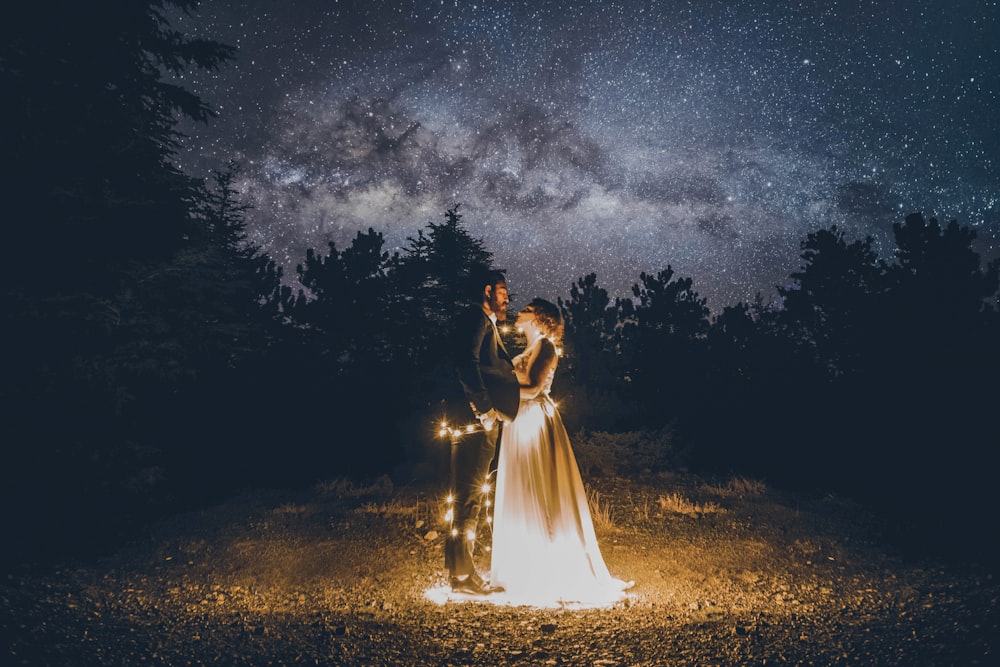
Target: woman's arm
540	365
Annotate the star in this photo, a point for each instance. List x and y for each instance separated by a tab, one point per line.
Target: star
611	138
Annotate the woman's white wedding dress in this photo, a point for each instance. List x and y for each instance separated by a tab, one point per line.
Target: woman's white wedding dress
544	549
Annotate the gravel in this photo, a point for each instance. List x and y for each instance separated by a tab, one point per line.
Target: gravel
727	573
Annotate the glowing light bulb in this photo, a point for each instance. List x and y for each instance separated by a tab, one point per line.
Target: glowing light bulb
449	515
470	428
470	535
450	499
486	488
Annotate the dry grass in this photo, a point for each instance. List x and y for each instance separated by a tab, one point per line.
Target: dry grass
642	510
678	504
345	488
600	512
291	509
391	508
739	487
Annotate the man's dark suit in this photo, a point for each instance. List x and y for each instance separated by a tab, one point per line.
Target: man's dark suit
486	374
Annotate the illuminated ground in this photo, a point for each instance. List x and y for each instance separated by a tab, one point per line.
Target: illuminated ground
726	573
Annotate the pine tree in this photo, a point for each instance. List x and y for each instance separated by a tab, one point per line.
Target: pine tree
663	344
590	378
91	126
432	279
836	303
110	238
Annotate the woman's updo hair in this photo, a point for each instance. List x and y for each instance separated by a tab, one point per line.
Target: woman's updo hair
548	317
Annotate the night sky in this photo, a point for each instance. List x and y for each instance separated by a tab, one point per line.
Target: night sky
607	137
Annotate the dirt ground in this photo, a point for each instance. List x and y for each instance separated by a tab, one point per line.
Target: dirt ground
727	573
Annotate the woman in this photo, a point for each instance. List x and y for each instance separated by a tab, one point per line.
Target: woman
545	551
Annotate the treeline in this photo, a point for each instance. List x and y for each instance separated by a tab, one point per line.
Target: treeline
869	376
154	360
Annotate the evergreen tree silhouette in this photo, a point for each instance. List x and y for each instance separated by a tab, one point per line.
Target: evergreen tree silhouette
91	125
349	372
836	303
351	298
106	227
432	283
590	379
663	345
943	370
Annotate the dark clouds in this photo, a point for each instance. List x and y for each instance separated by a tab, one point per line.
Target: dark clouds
607	137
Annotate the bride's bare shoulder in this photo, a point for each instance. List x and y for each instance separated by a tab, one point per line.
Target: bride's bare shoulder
547	347
543	352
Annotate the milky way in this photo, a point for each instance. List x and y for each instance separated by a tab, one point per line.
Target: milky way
607	137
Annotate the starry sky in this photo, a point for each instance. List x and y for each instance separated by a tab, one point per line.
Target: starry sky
607	137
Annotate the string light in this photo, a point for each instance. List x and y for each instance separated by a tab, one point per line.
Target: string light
447	430
484	489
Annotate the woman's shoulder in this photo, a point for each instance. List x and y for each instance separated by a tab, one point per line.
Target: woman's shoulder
545	350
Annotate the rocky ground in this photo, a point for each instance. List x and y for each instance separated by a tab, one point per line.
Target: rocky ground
727	573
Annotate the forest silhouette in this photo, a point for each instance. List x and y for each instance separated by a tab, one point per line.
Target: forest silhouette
155	360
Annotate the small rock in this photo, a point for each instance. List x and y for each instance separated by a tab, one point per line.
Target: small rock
548	628
431	535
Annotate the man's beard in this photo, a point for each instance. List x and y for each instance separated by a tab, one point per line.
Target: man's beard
497	309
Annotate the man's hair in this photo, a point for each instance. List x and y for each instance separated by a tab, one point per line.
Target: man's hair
480	277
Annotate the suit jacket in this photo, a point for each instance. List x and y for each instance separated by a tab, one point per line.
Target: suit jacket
484	368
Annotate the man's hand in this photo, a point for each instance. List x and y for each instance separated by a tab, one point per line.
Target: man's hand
489	419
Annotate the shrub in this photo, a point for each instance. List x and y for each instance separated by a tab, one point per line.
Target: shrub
633	452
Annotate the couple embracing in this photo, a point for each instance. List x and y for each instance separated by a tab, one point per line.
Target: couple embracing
544	548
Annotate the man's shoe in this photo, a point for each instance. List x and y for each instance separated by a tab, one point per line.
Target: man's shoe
479	580
471	585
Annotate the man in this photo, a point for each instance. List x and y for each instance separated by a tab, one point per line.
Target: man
486	374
